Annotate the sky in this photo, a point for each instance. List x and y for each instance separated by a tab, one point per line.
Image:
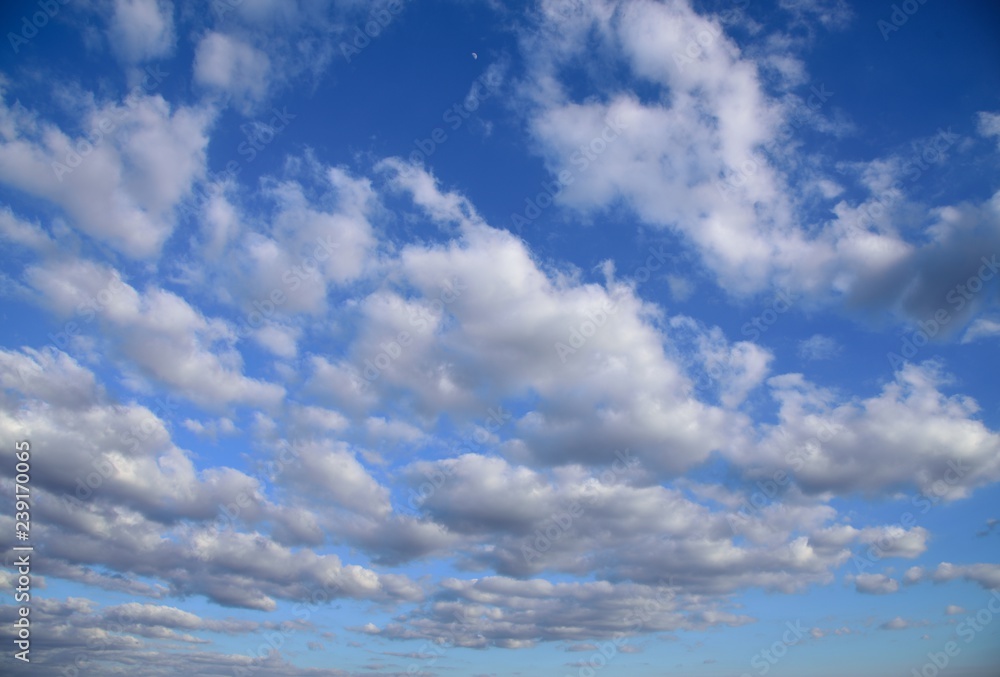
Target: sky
466	338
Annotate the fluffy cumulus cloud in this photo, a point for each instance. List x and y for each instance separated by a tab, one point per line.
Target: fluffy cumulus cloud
225	63
166	338
121	496
119	173
876	584
327	399
512	613
986	575
140	30
708	153
936	447
571	486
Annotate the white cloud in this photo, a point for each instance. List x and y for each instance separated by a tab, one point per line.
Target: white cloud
895	541
141	30
444	207
486	446
680	288
29	235
225	63
302	249
319	419
582	521
981	327
830	13
122	496
331	474
512	613
499	279
278	339
819	347
897	623
122	453
712	155
737	368
160	332
989	125
913	575
393	430
986	575
213	428
876	584
139	162
911	434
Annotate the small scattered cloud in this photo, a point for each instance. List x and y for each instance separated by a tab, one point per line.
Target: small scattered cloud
989	125
819	347
986	575
681	288
141	29
897	623
875	584
991	526
981	328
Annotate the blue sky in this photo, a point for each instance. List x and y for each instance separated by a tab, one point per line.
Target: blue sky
471	337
